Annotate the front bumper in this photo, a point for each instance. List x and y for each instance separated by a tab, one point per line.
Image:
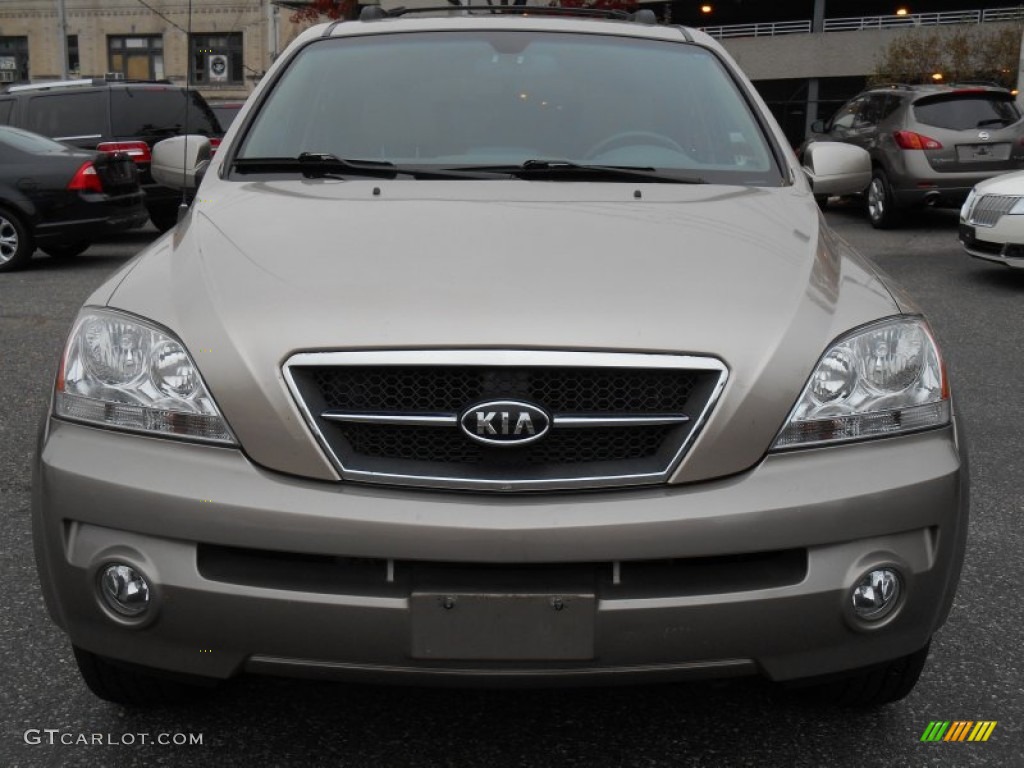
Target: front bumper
1002	243
170	509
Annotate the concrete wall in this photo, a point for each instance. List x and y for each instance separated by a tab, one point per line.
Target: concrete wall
825	54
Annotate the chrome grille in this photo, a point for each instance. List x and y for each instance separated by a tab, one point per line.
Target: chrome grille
394	417
989	209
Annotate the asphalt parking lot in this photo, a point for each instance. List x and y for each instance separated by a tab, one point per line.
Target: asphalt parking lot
976	670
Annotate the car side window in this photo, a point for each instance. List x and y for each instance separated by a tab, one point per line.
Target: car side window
871	112
845	119
891	102
68	115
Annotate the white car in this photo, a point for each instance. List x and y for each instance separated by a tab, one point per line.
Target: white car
992	220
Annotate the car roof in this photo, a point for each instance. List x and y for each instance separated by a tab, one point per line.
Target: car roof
95	82
482	18
932	89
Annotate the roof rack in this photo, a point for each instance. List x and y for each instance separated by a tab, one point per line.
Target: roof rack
642	16
81	83
893	86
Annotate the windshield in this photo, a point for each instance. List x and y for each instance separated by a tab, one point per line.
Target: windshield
488	98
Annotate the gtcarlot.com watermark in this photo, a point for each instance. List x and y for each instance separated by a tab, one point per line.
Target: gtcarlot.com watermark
54	736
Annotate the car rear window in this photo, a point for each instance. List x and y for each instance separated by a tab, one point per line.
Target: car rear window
26	141
501	96
68	115
961	112
156	110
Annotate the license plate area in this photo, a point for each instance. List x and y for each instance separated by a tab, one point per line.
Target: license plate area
982	153
478	626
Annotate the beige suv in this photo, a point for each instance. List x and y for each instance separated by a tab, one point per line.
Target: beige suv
527	359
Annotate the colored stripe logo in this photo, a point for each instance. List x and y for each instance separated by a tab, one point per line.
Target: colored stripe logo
959	730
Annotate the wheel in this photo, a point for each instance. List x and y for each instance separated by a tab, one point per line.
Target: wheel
164	218
135	686
822	201
867	687
15	242
626	138
65	250
882	210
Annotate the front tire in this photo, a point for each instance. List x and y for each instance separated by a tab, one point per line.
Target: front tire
882	210
134	686
867	687
16	245
164	218
66	250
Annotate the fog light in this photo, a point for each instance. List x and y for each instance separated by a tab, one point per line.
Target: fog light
124	590
877	593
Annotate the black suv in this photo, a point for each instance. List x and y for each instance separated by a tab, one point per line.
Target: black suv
115	116
929	144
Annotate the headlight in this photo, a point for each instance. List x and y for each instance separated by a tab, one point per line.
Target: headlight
965	209
120	371
882	380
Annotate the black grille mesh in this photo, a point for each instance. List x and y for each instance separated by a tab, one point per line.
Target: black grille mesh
450	446
429	452
436	389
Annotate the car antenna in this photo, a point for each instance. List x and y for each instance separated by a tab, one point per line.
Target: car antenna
183	206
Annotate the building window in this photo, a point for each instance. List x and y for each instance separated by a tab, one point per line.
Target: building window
73	65
217	59
137	57
13	60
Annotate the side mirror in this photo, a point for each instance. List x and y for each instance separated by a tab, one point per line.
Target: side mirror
834	168
818	126
179	163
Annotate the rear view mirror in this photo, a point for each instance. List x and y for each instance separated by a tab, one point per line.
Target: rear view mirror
179	163
834	168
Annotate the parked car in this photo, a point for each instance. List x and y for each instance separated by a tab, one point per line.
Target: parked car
115	116
59	198
992	221
226	112
929	144
504	365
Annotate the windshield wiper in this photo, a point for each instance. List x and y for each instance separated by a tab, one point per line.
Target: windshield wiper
566	170
994	121
319	165
314	165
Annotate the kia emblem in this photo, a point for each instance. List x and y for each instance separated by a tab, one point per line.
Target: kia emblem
505	422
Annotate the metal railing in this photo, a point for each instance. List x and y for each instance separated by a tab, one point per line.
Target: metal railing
869	22
768	29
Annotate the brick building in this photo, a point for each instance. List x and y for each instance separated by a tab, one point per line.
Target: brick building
232	44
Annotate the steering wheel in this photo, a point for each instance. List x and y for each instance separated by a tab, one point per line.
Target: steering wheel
625	138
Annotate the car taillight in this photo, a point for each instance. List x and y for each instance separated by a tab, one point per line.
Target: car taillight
136	150
911	140
86	179
214	143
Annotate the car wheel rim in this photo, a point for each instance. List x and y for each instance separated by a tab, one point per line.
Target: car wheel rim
876	199
8	240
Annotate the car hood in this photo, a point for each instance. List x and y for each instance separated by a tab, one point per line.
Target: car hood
1004	184
260	270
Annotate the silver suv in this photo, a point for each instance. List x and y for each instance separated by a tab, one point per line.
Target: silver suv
929	144
528	358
